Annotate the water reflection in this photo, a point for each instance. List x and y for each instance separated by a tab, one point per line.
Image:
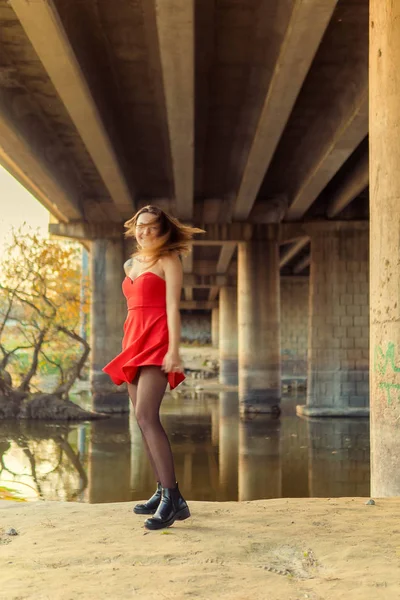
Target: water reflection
109	459
217	455
259	459
42	460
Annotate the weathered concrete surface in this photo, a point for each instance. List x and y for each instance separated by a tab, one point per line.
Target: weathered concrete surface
225	257
215	327
108	313
45	31
175	26
294	327
385	249
351	186
259	326
295	44
330	117
293	250
338	368
228	336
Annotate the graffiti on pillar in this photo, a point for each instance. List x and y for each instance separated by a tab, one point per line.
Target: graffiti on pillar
389	388
384	364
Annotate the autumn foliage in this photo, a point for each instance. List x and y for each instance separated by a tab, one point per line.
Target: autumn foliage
42	308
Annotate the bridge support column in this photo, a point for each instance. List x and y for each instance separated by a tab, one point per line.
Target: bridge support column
228	336
108	312
215	327
338	367
385	246
259	326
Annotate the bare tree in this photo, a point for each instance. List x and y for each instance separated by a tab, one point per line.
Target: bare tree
40	309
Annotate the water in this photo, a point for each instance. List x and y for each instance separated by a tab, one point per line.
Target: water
218	457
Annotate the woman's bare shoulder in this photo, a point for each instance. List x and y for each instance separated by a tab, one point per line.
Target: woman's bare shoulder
171	261
128	264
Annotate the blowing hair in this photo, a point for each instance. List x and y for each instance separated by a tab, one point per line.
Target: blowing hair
174	236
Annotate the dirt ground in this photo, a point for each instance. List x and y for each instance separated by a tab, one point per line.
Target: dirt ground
284	549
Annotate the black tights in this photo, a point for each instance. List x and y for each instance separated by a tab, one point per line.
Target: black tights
146	393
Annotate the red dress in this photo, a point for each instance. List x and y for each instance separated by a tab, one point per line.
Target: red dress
145	340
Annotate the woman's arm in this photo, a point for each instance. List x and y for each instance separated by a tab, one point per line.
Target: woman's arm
173	276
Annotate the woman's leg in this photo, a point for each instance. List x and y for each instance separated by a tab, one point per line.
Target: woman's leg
132	391
150	391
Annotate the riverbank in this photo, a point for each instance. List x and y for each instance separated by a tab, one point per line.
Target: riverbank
283	549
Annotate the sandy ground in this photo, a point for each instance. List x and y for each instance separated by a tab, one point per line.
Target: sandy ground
285	549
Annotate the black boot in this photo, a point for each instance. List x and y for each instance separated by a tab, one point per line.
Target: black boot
171	508
149	507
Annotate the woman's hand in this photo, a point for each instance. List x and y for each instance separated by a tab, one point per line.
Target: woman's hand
172	363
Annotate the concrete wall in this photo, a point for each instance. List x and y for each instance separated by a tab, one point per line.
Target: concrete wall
196	327
338	369
294	326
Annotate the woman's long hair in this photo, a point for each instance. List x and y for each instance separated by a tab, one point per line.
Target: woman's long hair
174	236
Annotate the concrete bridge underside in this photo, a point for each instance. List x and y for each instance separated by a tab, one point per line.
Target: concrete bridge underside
246	117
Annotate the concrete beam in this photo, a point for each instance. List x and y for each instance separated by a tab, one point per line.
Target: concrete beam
187	263
225	257
216	235
235	232
206	281
292	232
197	305
175	26
298	47
26	164
352	185
213	293
293	250
80	230
303	264
46	33
345	132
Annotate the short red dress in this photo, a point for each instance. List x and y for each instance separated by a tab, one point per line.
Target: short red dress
145	340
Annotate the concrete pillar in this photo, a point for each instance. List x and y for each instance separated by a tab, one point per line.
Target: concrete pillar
259	326
385	246
338	356
294	328
108	313
215	327
228	336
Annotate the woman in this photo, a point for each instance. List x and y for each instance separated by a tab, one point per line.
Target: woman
150	347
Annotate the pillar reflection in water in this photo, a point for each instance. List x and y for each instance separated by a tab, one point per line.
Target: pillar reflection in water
339	457
259	459
214	411
82	447
109	460
228	445
294	449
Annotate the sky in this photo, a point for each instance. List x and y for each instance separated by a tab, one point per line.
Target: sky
18	205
